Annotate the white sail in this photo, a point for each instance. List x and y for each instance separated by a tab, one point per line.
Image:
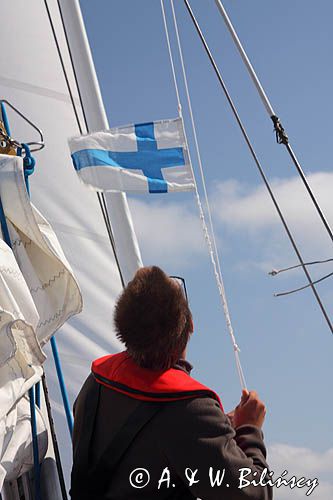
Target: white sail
32	79
16	443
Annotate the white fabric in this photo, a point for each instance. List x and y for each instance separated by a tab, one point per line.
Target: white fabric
46	271
40	91
168	134
38	291
128	251
16	449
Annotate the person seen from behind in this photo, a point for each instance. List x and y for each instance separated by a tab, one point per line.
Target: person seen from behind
144	428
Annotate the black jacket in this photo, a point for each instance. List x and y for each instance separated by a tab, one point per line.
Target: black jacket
184	436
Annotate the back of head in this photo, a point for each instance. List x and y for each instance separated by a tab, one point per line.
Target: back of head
152	319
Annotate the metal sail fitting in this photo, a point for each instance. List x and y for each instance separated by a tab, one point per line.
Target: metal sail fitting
6	145
281	135
9	145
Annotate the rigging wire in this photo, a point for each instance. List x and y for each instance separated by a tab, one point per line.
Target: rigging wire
54	438
102	202
281	294
258	164
100	196
281	135
166	30
37	468
209	236
274	272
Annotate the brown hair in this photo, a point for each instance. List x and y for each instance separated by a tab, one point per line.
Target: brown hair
153	320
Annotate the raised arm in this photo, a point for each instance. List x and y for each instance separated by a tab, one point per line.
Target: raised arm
198	436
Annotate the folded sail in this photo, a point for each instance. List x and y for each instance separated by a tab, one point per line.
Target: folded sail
21	356
38	291
149	157
15	441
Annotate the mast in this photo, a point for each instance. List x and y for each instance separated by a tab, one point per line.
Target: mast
115	205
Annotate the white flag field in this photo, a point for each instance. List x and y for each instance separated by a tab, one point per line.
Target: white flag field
143	158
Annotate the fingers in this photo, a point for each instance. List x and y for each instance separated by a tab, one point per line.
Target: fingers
255	404
245	395
251	410
251	399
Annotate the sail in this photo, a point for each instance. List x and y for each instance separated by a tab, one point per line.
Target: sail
32	79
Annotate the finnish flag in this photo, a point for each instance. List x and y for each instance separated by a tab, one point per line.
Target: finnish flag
148	157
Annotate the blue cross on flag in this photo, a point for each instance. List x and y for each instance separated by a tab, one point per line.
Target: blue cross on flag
148	157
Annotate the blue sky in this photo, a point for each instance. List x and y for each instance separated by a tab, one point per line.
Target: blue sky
286	345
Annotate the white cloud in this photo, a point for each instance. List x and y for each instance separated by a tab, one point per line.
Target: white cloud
302	462
168	232
246	210
171	233
240	205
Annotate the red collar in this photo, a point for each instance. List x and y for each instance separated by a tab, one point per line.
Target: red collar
120	373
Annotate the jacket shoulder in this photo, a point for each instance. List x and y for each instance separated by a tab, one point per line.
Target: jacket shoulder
193	413
89	385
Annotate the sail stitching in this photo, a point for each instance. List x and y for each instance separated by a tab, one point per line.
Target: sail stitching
48	283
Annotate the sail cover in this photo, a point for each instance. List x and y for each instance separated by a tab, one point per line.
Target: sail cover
147	157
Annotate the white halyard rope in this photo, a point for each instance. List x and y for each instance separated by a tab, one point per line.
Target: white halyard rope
209	235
